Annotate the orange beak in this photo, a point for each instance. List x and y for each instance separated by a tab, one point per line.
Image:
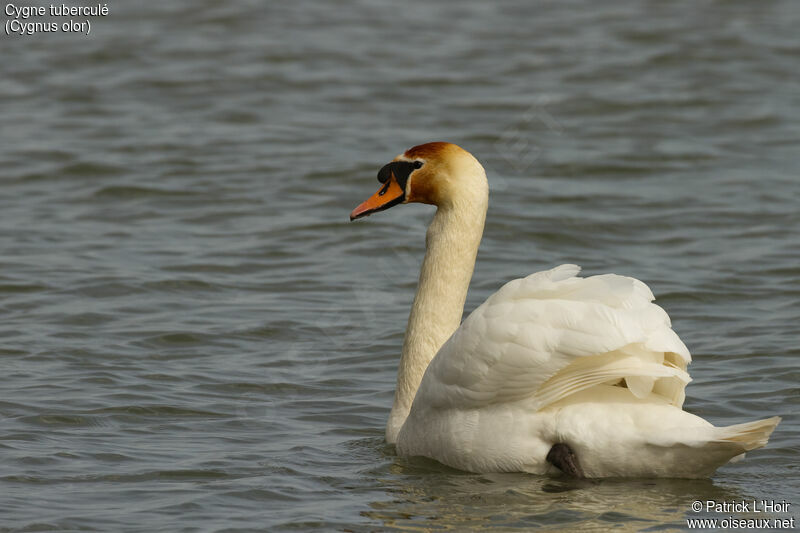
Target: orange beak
389	195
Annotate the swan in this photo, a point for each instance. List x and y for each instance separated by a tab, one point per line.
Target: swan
554	374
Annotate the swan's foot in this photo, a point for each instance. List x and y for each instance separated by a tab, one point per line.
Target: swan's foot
562	457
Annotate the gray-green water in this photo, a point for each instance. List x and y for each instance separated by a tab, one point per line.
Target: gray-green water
194	338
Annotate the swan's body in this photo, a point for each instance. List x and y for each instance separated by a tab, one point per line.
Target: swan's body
586	367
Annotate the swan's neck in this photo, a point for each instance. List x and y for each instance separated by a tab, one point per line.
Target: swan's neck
451	246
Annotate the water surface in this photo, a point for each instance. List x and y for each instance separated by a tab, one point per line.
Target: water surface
195	338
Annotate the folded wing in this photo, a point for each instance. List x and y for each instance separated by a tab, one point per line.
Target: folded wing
547	336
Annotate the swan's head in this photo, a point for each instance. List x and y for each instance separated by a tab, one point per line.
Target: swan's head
437	173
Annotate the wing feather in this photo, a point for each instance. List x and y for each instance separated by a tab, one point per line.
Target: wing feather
552	334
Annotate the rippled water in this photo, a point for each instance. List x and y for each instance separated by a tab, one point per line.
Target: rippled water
194	337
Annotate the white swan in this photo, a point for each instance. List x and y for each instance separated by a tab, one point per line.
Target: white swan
553	373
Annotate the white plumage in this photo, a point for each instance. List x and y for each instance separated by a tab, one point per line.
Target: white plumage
506	385
552	358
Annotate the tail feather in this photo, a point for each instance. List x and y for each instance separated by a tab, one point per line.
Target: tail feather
698	452
750	435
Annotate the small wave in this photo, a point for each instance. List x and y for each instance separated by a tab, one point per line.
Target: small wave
128	192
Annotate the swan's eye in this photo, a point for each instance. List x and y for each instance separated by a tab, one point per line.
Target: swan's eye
417	164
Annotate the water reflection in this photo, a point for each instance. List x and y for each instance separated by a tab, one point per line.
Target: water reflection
425	495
